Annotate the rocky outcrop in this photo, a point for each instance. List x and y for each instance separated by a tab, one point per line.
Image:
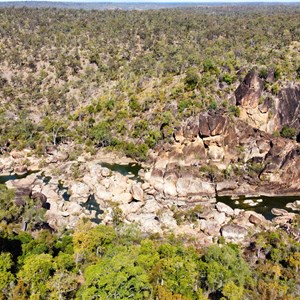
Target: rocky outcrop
266	111
249	91
289	107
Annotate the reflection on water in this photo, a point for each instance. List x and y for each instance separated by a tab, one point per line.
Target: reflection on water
92	204
262	207
128	169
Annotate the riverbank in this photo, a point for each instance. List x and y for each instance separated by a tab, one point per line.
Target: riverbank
108	188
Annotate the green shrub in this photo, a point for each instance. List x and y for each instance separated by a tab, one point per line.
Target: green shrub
288	132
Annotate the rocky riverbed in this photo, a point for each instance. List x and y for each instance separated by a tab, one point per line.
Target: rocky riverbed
156	205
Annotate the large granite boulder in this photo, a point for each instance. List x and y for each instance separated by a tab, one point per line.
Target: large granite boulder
233	233
80	192
137	192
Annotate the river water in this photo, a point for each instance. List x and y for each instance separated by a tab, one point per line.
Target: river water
263	204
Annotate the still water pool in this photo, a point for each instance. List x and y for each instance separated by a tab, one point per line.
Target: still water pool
263	205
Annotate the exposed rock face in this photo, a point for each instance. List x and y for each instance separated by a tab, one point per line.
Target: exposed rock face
265	111
20	169
189	186
213	124
294	205
221	207
40	197
233	233
80	192
265	163
249	91
289	107
137	192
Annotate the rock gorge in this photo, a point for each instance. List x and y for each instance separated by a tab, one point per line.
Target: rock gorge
214	154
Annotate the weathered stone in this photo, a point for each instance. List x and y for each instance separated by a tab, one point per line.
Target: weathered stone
24	182
289	107
279	211
233	233
204	130
216	153
62	156
147	222
168	221
217	124
39	196
72	208
284	219
130	208
105	172
17	154
170	179
257	219
178	134
222	207
21	169
294	205
137	192
194	186
191	132
123	198
249	91
101	194
80	192
225	187
118	187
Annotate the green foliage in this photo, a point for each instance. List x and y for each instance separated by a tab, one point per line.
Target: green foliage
101	134
222	265
208	65
6	277
190	215
234	110
288	132
192	79
298	72
213	105
121	263
91	242
35	272
227	78
117	276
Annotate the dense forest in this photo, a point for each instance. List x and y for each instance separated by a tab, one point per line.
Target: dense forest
105	262
123	80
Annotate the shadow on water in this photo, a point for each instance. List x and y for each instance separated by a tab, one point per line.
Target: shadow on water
92	204
63	191
128	169
45	179
5	178
264	207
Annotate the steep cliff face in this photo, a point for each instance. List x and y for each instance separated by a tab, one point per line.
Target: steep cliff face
225	155
289	107
264	110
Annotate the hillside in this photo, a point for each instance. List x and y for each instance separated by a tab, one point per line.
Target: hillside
115	78
150	154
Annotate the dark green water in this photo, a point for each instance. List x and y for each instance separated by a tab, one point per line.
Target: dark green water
128	169
92	204
263	207
6	178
